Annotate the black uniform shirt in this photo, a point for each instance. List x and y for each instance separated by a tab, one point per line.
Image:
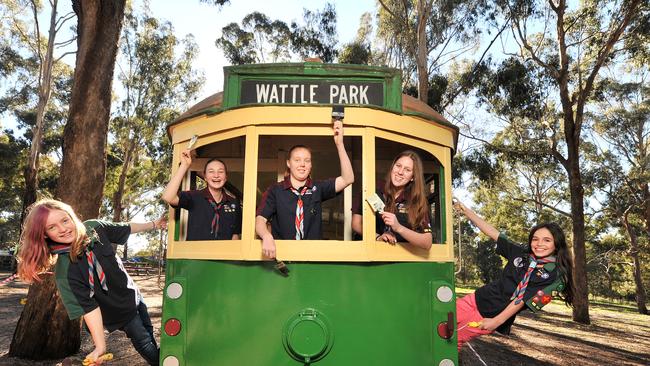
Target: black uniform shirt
118	304
201	213
402	207
278	204
492	298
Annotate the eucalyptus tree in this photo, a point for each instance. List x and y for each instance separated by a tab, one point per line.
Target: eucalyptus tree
567	45
623	122
359	50
82	170
260	39
157	83
420	37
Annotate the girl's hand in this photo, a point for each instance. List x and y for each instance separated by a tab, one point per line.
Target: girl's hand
268	246
388	237
489	324
390	220
161	223
337	130
95	357
186	158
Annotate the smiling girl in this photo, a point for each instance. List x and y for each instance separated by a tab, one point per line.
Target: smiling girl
294	205
529	279
91	279
214	214
406	215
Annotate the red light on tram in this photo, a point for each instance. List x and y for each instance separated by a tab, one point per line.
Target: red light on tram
172	327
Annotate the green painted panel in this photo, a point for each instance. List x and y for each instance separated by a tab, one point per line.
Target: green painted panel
239	313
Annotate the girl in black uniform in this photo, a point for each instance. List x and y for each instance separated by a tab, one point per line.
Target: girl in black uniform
406	215
214	214
90	278
529	279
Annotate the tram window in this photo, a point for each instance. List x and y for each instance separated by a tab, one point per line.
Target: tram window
386	151
231	153
335	220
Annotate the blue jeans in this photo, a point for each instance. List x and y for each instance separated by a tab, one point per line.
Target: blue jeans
140	331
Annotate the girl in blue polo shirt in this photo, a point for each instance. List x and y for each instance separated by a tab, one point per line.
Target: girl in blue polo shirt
529	279
406	215
294	205
214	214
90	278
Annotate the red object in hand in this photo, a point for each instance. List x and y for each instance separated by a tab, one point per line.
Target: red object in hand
546	299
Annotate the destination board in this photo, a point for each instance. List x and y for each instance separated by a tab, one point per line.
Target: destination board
311	92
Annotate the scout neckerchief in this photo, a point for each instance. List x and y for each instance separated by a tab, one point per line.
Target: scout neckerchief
93	264
216	207
518	295
300	215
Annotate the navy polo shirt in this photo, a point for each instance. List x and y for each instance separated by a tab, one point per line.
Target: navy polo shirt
492	298
201	213
278	205
402	208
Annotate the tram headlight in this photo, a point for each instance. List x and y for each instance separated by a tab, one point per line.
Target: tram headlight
174	290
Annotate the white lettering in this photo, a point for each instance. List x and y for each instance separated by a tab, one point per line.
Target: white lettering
283	87
312	93
334	92
262	92
302	94
354	90
273	98
293	92
343	99
363	98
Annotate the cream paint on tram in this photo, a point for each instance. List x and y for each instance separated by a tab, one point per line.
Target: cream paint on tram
368	123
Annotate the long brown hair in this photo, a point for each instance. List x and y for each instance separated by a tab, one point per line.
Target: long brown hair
414	191
34	255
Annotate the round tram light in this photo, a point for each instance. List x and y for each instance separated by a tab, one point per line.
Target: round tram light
445	362
172	327
174	290
444	294
171	361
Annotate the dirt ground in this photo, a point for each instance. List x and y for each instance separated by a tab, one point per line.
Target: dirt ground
617	335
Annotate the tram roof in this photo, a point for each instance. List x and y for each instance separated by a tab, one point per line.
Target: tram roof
214	104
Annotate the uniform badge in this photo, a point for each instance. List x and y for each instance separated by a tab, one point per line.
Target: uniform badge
518	262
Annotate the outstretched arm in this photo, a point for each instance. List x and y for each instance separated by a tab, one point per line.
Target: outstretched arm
170	193
477	220
95	325
137	227
347	174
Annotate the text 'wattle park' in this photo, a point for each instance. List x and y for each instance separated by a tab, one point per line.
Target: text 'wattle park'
311	92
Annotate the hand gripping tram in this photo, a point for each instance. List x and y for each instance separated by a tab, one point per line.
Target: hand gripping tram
347	299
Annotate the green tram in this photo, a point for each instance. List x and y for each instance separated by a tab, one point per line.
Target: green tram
348	299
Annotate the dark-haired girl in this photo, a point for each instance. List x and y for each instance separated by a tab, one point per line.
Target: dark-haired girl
531	277
406	215
213	213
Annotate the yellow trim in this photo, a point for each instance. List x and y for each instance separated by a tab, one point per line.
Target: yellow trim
367	123
303	116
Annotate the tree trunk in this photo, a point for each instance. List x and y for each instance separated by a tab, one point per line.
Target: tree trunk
422	52
47	331
39	335
84	141
634	253
44	92
580	285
